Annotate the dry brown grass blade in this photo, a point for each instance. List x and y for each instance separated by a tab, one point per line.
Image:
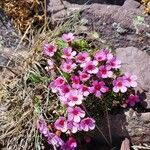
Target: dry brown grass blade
15	125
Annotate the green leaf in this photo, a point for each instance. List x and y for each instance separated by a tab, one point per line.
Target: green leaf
80	44
61	44
34	78
66	75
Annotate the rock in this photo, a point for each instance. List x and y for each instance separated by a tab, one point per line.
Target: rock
3	60
137	62
138	129
133	30
60	11
88	2
102	14
146	103
129	124
121	11
9	37
122	14
131	4
9	41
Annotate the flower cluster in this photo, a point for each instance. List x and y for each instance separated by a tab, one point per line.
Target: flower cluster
51	137
87	74
54	139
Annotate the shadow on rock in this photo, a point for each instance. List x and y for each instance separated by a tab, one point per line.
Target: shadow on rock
115	136
112	2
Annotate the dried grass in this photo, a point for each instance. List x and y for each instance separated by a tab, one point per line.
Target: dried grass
146	3
24	11
22	102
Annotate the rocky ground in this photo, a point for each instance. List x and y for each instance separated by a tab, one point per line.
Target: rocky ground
121	25
9	40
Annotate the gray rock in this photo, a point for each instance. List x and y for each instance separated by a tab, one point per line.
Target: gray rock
127	124
98	9
138	127
131	4
138	63
101	15
3	60
9	41
9	37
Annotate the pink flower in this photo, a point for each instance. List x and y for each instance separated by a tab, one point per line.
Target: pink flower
71	144
63	99
101	55
84	76
61	124
104	72
58	82
109	56
51	137
82	57
75	114
64	89
90	67
42	127
131	80
132	100
98	88
50	65
73	126
120	85
76	82
67	66
87	124
53	87
68	37
68	53
49	49
74	97
114	63
55	140
84	89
